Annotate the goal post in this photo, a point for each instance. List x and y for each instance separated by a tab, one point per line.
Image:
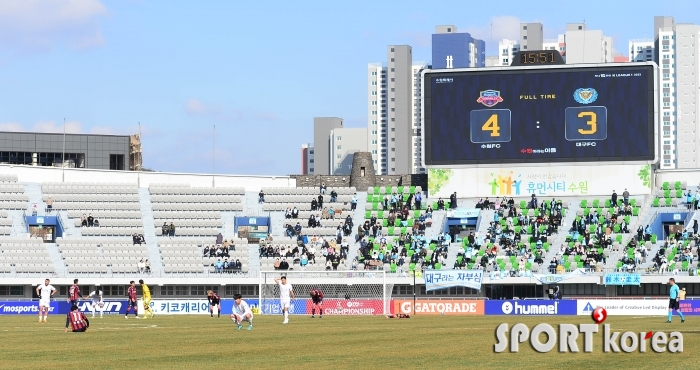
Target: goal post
344	292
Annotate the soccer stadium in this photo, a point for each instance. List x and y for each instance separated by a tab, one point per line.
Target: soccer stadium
535	222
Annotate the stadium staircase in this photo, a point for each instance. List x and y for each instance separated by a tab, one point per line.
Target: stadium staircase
19	225
251	207
149	230
69	229
358	218
33	191
56	258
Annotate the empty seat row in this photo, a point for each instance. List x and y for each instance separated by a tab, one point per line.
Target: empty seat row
13	198
190	223
36	267
174	215
8	178
305	199
100	198
183	268
185	190
87	269
233	207
308	191
14	205
97	207
110	231
195	199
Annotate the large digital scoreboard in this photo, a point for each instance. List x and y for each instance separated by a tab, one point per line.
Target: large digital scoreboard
582	113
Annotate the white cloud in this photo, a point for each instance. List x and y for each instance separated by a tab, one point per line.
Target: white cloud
73	127
497	29
40	24
195	107
11	126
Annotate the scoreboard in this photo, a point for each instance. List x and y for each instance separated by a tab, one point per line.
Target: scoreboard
582	113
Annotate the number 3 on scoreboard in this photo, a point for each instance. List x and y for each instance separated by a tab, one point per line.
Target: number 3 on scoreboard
489	126
586	123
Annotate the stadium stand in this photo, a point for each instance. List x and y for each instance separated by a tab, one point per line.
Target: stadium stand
193	211
186	255
25	255
118	203
12	195
101	255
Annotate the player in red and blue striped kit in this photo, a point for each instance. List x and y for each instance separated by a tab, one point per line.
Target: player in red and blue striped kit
316	302
77	321
132	301
214	300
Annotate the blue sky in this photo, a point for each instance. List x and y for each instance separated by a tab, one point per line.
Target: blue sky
260	71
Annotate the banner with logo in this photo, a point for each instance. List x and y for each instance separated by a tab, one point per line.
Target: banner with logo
463	213
27	308
548	181
452	307
110	307
691	308
349	307
554	278
624	307
530	307
272	306
441	279
619	278
190	306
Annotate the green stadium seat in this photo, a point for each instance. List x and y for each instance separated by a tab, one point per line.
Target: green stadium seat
400	189
635	212
579	264
416	214
393	267
618	238
616	229
677	185
368	215
380	214
528	266
435	206
391	231
412	189
375	206
633	202
397	223
376	190
669	202
655	203
385	222
438	266
653	238
412	266
523	204
370	198
410	222
567	265
667	193
577	258
665	186
584	203
679	193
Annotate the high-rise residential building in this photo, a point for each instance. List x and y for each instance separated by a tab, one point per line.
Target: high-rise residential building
345	142
323	126
558	44
587	46
451	49
641	50
676	49
393	112
493	61
506	51
416	142
307	159
531	36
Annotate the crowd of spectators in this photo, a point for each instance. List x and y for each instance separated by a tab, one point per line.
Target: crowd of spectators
330	251
138	239
168	230
89	221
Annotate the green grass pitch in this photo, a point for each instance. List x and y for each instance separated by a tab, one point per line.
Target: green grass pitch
338	342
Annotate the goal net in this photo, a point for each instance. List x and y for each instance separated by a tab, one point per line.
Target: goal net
344	292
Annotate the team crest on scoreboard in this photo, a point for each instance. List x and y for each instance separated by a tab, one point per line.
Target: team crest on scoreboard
585	96
489	98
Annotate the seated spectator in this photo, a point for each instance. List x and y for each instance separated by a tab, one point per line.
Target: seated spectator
165	229
206	251
276	265
219	252
311	222
90	220
172	229
83	220
219	239
224	251
227	266
219	267
212	251
96	223
141	266
284	265
295	212
34	210
49	204
261	197
334	196
322	188
297	229
148	266
314	204
288	213
135	238
231	245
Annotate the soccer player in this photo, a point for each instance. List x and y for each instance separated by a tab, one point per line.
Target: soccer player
214	301
132	301
146	295
77	320
316	302
74	293
673	301
45	292
241	312
286	296
97	301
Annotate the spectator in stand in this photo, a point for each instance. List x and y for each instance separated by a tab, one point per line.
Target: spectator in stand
289	231
626	197
314	204
96	223
334	196
297	229
418	200
135	238
83	220
212	251
49	204
141	266
148	266
647	233
90	220
219	238
284	265
206	251
224	251
34	210
295	212
353	202
613	198
261	197
288	213
165	229
440	204
695	227
320	201
172	229
453	200
219	266
322	188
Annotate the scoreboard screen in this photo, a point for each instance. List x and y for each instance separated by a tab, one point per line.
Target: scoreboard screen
537	115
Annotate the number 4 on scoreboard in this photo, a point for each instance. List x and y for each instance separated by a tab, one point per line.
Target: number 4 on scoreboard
490	126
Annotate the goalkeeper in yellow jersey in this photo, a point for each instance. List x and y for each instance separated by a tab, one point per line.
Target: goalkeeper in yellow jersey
146	296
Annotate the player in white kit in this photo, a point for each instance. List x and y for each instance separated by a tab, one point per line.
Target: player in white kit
286	296
45	292
241	312
97	302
